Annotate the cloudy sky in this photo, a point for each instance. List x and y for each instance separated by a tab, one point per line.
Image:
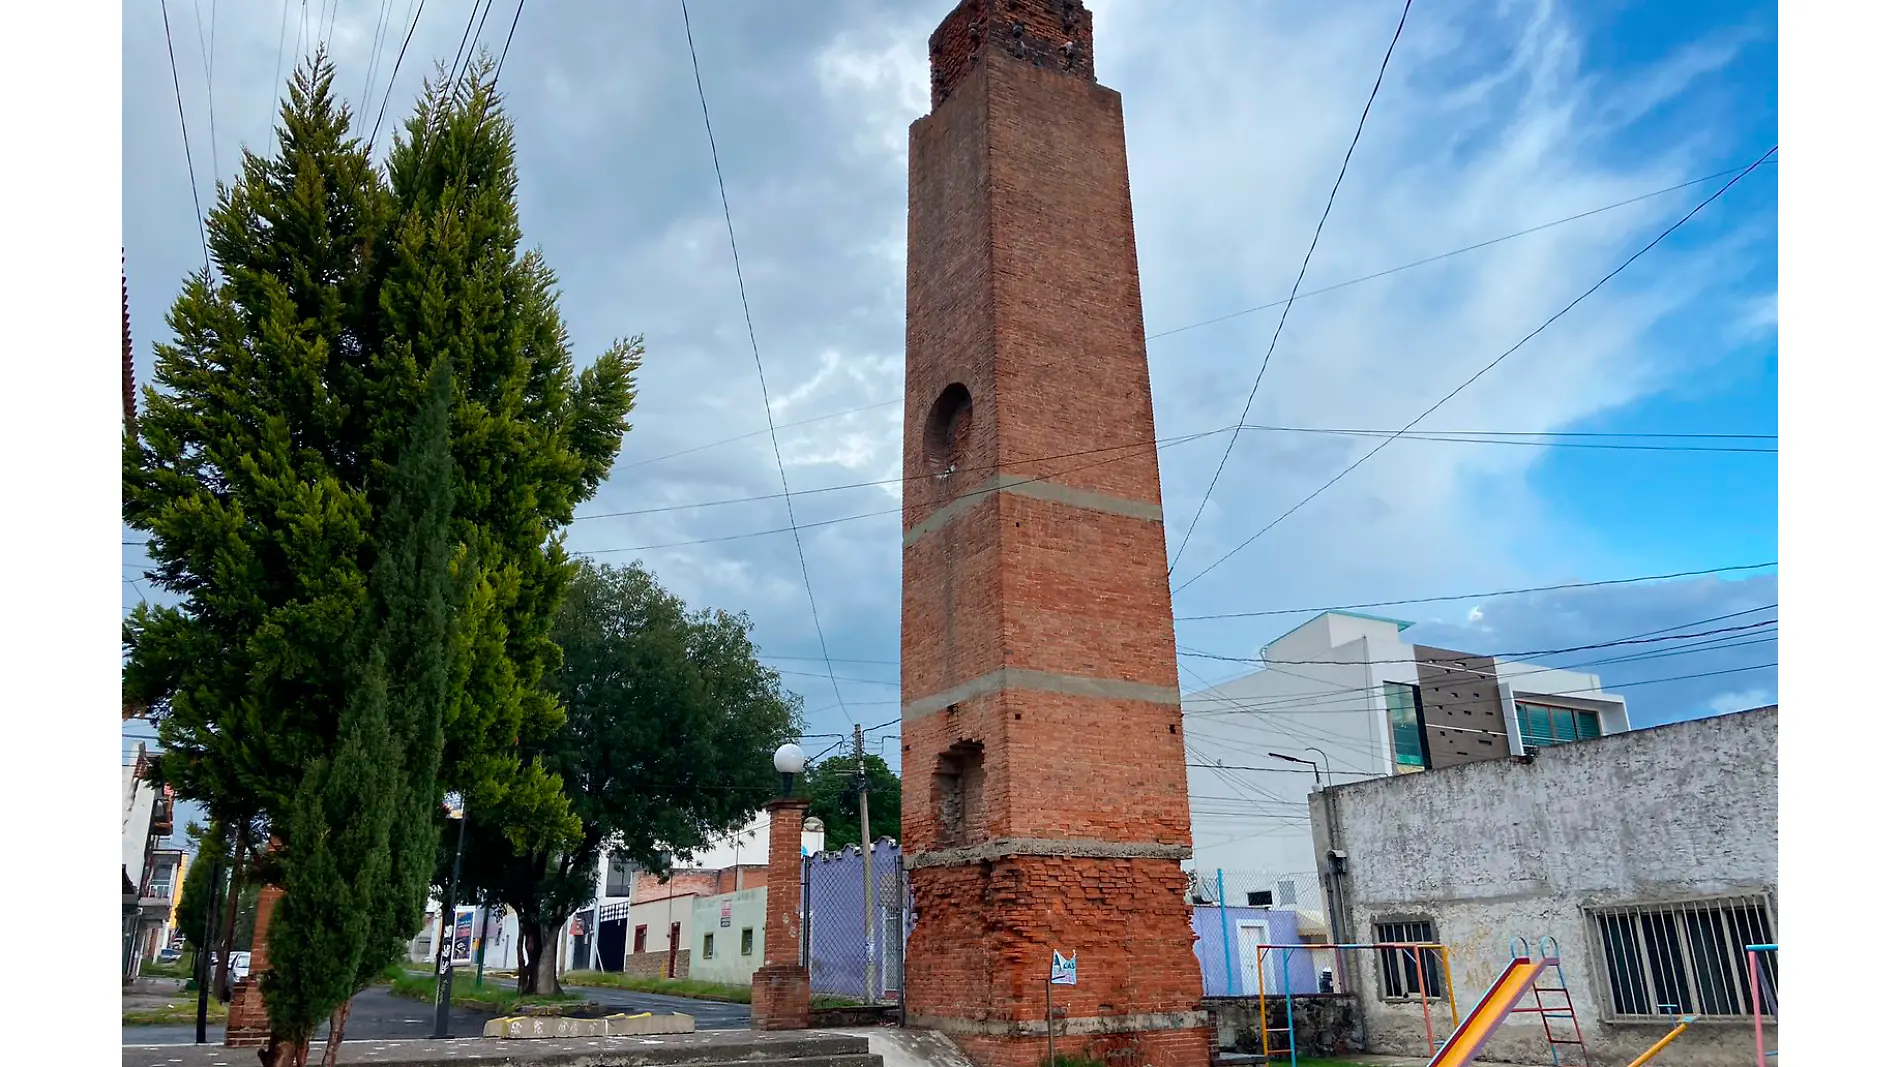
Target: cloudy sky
1494	118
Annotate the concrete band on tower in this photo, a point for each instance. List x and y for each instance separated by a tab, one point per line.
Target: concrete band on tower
1045	783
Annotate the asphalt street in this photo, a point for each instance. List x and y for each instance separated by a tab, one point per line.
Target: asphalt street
376	1014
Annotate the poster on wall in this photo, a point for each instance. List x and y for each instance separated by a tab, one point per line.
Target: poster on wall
464	950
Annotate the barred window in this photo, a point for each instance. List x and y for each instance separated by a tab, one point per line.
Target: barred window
1399	967
1689	957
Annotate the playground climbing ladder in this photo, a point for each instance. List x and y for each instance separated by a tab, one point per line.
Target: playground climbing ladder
1564	1009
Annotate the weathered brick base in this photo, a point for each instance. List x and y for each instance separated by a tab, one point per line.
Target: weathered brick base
247	1026
1182	1048
781	998
990	931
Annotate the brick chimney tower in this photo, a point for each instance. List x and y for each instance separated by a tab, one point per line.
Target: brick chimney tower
1045	784
125	324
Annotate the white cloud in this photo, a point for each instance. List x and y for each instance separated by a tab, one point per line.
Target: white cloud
1489	122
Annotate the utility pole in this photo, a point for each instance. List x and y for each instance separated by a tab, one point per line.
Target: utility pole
864	842
445	961
208	943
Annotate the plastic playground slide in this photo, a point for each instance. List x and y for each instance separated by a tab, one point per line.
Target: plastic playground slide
1518	978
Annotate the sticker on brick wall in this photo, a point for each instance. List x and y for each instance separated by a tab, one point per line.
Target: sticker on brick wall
1062	972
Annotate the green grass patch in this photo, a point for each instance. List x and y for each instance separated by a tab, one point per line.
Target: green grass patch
672	987
491	995
179	968
688	988
178	1013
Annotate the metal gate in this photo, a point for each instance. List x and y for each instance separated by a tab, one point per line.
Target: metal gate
847	957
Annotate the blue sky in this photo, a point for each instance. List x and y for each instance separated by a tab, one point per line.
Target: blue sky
1494	118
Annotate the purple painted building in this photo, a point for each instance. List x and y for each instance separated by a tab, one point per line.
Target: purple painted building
835	945
1228	951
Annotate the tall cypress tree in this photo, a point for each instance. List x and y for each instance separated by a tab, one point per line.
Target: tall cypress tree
268	467
532	439
360	847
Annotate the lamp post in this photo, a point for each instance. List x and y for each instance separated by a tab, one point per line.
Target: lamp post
1328	761
781	987
1296	759
789	761
445	958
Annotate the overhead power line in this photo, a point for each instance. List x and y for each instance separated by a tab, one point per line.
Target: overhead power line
1266	307
732	236
414	21
984	491
509	43
1442	401
1287	306
277	72
1310	293
1471	437
1356	695
191	172
375	53
992	467
1480	596
1352	699
207	52
1487	655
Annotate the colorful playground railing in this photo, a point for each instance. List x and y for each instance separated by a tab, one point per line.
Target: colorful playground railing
1754	952
1417	951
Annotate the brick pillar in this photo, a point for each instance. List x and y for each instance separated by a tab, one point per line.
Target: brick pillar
248	1025
781	987
1044	776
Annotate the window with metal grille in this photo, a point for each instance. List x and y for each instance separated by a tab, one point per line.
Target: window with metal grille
639	939
1402	709
1686	958
706	947
1542	725
1400	969
745	941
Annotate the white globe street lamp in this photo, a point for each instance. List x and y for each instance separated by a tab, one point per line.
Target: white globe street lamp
790	762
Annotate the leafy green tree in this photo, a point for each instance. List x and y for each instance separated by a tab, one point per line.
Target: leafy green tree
832	787
671	723
263	462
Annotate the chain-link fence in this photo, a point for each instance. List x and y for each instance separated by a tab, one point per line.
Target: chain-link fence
1238	911
846	959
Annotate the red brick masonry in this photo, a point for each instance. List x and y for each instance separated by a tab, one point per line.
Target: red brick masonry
248	1025
1045	783
781	989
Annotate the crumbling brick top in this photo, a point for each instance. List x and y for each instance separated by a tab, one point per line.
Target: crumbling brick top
1050	34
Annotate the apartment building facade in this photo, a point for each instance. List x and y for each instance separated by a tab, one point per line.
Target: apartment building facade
1345	697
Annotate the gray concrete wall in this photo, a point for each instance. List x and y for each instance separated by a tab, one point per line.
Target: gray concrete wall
1324	1025
1521	847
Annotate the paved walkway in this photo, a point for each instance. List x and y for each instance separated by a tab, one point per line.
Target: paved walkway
676	1051
707	1014
374	1014
380	1015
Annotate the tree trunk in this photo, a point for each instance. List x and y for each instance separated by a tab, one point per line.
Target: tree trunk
223	985
540	976
282	1052
338	1019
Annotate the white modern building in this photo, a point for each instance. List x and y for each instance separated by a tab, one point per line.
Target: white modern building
1343	698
